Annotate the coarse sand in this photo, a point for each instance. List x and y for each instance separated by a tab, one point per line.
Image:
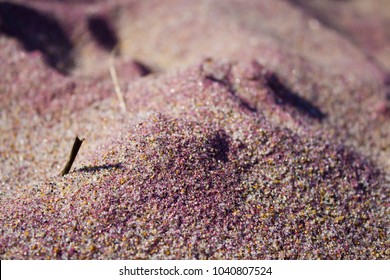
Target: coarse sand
252	130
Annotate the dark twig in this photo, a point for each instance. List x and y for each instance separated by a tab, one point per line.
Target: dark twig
75	149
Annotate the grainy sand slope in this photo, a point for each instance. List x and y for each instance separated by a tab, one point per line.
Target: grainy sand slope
253	130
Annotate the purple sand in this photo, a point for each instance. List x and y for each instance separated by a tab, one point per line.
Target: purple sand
253	130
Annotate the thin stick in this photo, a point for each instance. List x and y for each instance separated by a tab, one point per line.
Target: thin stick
115	81
75	149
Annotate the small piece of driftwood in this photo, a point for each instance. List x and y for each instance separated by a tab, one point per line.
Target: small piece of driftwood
75	149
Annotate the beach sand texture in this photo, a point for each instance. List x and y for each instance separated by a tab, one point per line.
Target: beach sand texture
213	129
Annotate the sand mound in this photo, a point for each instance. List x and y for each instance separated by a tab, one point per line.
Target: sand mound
175	188
248	130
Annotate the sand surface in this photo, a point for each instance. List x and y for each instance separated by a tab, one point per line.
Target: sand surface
242	129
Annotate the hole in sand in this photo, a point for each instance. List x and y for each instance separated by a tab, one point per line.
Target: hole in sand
38	31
